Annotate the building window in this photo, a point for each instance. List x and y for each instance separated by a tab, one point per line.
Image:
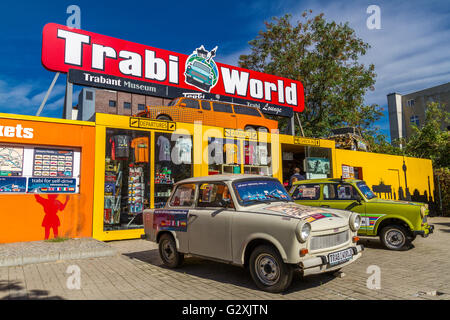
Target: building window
141	107
112	103
127	105
410	103
89	95
414	120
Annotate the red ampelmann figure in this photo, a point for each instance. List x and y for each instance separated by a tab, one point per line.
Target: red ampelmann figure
51	208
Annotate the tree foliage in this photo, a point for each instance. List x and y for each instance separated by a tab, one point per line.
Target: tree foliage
324	57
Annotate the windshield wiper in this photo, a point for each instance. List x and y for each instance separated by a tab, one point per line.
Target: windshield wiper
257	201
278	198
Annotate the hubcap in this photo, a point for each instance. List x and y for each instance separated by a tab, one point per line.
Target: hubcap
168	250
395	238
267	269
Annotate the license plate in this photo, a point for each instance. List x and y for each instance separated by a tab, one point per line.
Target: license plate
340	256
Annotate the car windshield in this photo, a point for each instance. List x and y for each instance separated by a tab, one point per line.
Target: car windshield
366	190
255	191
201	66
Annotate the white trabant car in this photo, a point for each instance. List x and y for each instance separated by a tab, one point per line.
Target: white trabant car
251	221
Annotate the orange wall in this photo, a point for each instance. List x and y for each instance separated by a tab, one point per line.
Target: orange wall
21	216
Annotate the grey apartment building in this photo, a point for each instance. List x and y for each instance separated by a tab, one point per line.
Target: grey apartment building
408	109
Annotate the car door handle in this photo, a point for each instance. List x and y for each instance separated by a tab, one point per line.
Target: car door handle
200	111
233	115
325	206
192	215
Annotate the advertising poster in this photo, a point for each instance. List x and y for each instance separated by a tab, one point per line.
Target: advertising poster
11	161
13	184
317	168
51	185
171	220
52	163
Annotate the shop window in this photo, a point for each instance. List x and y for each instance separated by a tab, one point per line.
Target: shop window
257	158
306	192
222	107
112	103
141	107
211	195
223	156
34	169
173	162
246	110
127	178
183	196
127	105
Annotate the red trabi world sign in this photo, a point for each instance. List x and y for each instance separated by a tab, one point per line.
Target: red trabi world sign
65	48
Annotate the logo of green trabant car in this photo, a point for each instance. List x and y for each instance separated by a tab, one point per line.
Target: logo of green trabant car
201	70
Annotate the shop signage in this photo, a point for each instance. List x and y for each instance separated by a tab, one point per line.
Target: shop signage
51	185
16	132
240	134
114	63
307	141
13	184
152	124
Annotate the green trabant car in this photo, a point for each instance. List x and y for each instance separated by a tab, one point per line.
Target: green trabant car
397	223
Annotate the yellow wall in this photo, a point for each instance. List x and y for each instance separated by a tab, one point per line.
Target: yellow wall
380	168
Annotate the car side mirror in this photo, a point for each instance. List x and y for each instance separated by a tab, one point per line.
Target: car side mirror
358	198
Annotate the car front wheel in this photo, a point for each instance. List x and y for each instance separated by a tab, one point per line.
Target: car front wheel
268	270
168	251
395	237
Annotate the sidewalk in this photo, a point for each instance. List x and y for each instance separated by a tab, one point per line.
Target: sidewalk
22	253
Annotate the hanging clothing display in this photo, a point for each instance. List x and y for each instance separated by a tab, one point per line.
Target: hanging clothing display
164	148
184	147
141	151
120	147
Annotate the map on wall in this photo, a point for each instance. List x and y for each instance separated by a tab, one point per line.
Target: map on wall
52	163
11	161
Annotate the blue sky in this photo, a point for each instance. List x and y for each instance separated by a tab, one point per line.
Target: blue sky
410	51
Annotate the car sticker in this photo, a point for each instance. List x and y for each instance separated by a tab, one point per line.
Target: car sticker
171	220
302	212
368	222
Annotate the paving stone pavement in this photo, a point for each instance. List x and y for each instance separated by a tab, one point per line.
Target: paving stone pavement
137	273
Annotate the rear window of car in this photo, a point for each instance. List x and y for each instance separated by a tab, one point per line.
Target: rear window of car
247	111
222	107
306	192
183	196
191	103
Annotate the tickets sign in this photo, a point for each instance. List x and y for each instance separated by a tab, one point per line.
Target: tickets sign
106	61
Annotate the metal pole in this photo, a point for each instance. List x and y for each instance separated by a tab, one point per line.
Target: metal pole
300	123
68	100
47	94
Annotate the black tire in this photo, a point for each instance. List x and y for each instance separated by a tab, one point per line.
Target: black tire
395	237
163	117
168	251
268	270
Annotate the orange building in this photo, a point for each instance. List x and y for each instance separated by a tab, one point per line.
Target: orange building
46	178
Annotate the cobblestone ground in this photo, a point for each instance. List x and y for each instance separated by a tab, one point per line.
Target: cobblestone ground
138	273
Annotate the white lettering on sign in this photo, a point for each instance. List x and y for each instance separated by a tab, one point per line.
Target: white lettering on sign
236	82
17	131
73	50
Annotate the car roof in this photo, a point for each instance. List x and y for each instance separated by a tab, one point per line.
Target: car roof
224	177
328	180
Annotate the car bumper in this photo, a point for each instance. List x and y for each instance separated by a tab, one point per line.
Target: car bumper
424	233
320	264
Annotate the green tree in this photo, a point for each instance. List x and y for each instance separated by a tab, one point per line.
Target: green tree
324	57
430	141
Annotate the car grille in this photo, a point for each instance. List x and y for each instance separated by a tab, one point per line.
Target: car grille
199	75
327	241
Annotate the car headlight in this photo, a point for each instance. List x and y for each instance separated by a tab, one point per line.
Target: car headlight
303	231
355	222
423	210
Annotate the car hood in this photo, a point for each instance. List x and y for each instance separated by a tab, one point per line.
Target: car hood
396	202
319	218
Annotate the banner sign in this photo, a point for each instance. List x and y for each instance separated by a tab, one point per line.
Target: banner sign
52	185
105	61
307	141
13	184
240	134
152	124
